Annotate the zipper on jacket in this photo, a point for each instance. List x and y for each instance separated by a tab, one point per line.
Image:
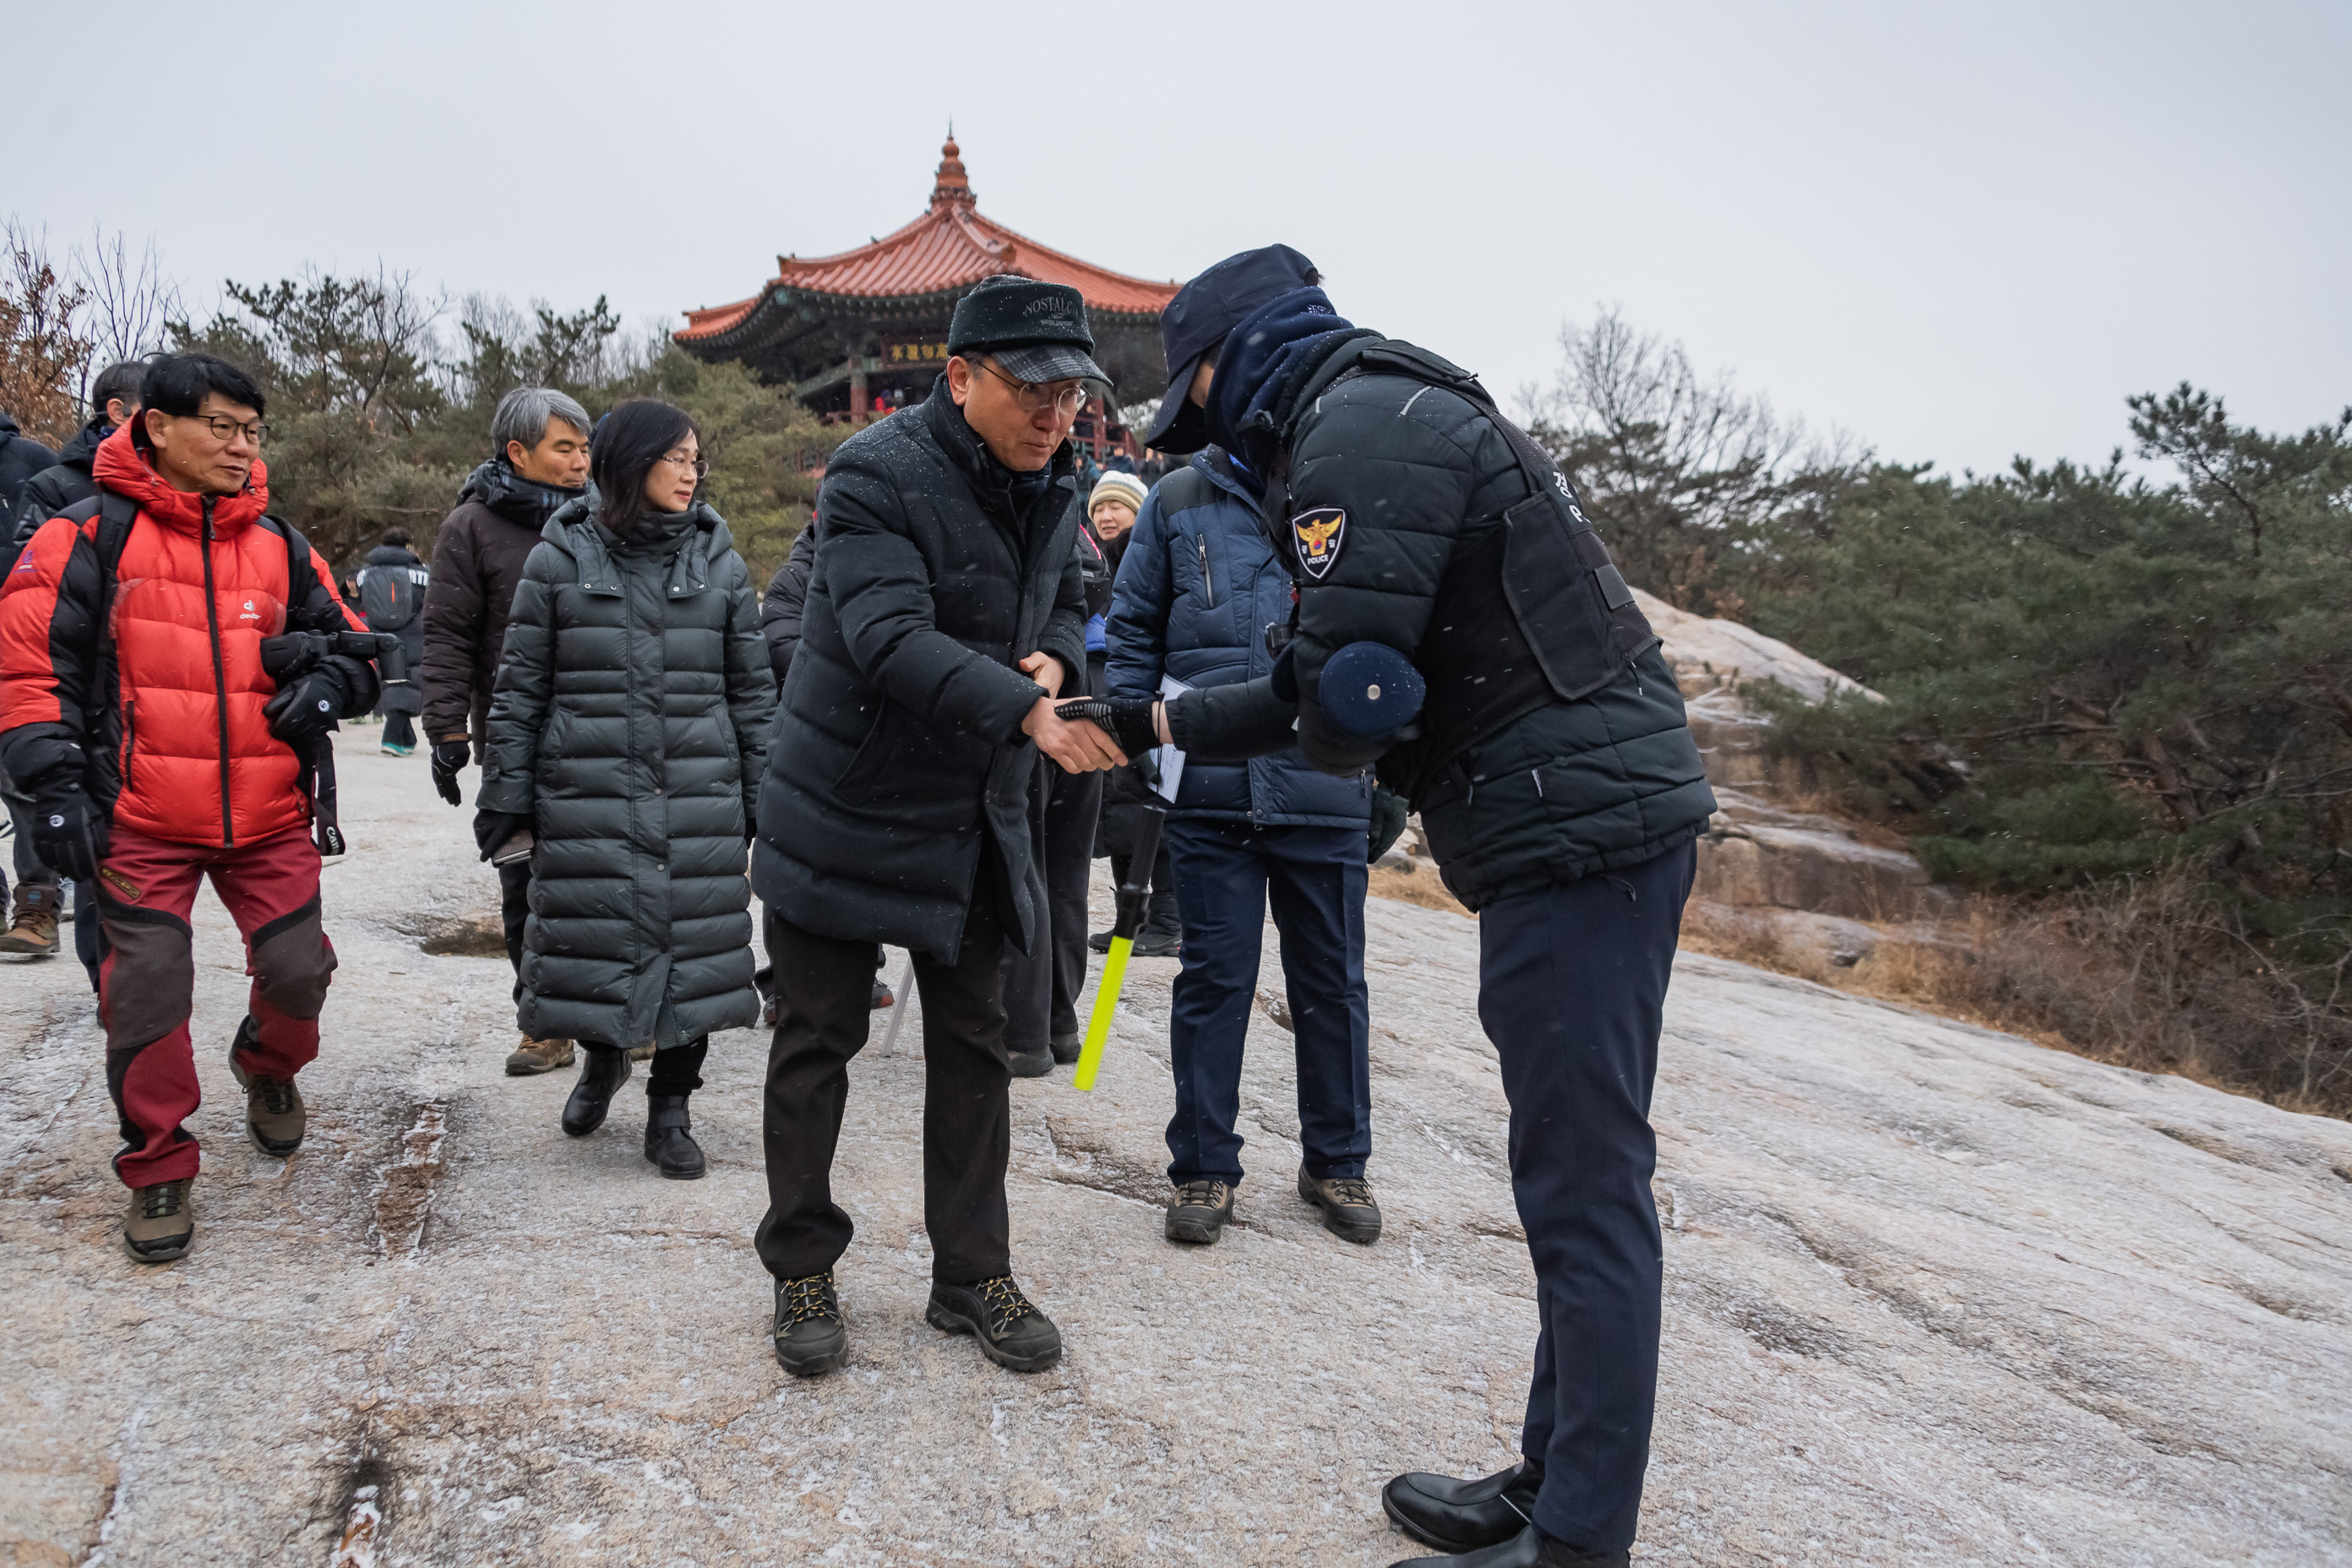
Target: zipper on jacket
220	678
1208	583
130	738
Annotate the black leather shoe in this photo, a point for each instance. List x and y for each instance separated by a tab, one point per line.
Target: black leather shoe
1530	1548
1030	1064
603	1071
1065	1048
1012	1332
1463	1516
668	1144
809	1334
1199	1214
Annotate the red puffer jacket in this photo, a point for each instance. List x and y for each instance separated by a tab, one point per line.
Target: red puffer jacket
178	748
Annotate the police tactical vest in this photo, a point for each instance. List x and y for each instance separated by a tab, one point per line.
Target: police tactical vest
1572	625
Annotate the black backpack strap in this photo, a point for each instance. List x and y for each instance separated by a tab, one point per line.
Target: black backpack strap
299	578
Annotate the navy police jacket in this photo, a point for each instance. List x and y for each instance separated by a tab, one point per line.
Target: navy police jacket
1195	593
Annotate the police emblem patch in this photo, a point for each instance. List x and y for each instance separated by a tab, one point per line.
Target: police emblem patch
1319	534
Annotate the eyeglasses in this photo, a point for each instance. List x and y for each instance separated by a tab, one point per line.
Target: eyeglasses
697	467
226	429
1037	399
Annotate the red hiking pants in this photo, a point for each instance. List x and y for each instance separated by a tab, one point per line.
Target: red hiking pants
147	979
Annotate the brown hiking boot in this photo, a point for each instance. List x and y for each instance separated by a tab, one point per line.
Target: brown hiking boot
1199	1213
1348	1210
161	1223
274	1118
538	1056
33	922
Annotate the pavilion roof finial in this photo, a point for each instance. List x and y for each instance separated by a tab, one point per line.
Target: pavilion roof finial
953	186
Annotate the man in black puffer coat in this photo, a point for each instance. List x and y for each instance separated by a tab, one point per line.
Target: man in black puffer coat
392	596
113	399
943	612
538	466
21	457
1561	792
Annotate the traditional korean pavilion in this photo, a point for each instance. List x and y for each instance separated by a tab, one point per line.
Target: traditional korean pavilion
867	330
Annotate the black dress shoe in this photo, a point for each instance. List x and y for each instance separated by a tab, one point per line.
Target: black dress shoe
810	1336
1011	1330
1530	1548
668	1144
602	1070
1030	1064
1065	1048
1463	1516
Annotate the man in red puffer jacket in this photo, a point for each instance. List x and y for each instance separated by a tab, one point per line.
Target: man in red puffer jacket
137	717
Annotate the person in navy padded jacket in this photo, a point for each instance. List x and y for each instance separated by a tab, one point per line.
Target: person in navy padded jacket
1196	592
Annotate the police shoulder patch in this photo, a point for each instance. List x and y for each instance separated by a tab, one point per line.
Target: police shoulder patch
1319	533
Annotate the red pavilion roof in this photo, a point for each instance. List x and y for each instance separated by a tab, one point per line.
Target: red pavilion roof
950	246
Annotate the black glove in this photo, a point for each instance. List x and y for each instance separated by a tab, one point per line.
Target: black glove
493	828
449	759
1389	814
70	836
307	706
1126	720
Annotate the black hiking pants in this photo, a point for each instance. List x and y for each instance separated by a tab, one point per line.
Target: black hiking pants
824	1011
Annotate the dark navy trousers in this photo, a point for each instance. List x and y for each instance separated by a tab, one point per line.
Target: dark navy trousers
1227	874
1571	989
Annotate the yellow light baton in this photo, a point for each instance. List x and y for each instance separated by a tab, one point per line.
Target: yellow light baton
1134	900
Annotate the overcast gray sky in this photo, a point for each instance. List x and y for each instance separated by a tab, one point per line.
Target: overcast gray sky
1961	232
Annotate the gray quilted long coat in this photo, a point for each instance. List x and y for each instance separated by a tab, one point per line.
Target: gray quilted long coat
630	717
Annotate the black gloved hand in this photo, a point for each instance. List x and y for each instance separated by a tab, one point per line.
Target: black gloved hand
493	828
1390	813
306	707
449	759
70	836
1126	720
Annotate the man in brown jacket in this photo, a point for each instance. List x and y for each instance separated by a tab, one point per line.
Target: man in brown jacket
540	440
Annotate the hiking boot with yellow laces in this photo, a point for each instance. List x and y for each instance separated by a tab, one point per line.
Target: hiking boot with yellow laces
538	1056
1348	1210
274	1118
1199	1213
1011	1330
810	1335
161	1223
33	924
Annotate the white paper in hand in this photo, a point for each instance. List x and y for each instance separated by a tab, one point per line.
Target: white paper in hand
1170	760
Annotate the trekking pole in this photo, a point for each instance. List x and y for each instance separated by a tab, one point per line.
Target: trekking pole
898	1012
1134	904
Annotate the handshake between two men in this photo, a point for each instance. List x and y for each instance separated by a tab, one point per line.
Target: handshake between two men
1086	735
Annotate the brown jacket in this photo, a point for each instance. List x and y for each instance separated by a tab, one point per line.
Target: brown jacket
478	561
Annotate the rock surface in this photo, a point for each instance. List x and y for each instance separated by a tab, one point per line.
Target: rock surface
1934	1295
1706	653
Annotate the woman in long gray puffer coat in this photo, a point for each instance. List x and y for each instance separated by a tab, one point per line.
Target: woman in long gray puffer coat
628	732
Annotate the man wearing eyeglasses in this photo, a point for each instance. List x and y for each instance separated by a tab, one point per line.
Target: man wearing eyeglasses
945	611
137	714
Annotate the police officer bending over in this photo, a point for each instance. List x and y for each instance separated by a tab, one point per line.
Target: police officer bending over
1561	793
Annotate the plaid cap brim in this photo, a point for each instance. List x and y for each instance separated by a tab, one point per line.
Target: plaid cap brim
1047	362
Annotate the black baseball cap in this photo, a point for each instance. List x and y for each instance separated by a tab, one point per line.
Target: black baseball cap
1037	332
1203	311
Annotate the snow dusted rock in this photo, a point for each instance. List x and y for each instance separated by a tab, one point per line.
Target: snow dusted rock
1934	1295
1706	653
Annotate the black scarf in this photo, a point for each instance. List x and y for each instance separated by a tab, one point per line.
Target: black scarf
524	502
